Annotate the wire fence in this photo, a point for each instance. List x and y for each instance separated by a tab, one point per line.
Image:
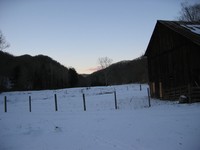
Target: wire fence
80	99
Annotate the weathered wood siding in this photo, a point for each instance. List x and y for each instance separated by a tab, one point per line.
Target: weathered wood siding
174	61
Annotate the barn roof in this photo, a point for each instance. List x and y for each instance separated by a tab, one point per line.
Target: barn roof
190	30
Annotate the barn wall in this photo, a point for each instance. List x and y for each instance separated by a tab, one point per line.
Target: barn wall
195	65
172	61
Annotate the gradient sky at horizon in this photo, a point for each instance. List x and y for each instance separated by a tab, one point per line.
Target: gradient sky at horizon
77	32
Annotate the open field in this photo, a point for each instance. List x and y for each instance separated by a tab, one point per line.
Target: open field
133	126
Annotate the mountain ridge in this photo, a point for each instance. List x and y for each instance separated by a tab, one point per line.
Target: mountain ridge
40	72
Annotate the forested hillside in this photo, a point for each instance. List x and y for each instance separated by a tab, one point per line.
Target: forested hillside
133	71
42	72
33	73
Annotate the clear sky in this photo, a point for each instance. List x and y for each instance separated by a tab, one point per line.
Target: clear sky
77	32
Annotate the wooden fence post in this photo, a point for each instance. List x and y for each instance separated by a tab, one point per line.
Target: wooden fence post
56	105
84	104
29	103
140	87
149	99
5	104
115	99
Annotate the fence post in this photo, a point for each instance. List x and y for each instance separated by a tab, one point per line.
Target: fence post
149	99
140	87
84	104
5	104
56	106
29	103
115	99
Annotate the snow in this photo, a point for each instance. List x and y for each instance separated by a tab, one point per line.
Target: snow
133	126
193	28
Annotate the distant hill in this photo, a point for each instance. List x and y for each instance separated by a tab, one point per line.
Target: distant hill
121	73
31	73
42	72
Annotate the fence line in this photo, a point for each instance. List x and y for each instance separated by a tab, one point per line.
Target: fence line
193	93
84	101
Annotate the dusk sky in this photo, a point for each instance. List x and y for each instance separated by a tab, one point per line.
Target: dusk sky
77	32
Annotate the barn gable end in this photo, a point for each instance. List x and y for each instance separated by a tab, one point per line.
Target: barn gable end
174	60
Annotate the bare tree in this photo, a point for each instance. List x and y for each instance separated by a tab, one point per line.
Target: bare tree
105	62
190	12
3	43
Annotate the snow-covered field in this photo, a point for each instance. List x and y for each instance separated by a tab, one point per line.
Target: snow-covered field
133	126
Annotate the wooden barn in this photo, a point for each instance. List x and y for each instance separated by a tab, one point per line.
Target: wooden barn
173	55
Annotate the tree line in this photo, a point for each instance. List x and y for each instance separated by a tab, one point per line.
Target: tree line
34	73
124	72
42	72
